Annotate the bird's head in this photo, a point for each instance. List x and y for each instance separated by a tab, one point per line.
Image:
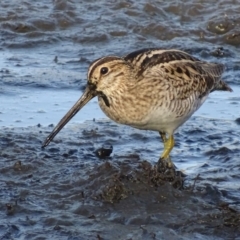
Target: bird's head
105	77
108	75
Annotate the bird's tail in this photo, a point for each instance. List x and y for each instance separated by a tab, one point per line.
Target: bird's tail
222	86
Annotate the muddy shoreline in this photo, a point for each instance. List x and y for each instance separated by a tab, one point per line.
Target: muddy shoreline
70	193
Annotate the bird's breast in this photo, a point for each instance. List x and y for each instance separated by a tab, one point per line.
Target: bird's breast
124	110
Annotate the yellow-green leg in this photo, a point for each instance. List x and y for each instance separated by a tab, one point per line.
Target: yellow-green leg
168	146
166	166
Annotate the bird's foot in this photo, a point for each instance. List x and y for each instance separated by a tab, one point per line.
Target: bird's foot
168	169
165	164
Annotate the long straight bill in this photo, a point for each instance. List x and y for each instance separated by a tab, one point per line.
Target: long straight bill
83	100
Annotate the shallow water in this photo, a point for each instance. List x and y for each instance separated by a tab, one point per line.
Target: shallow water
66	191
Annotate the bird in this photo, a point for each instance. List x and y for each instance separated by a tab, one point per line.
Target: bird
149	89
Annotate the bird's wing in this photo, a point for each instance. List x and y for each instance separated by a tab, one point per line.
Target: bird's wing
174	69
187	77
146	58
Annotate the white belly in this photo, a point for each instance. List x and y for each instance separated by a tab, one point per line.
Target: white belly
167	120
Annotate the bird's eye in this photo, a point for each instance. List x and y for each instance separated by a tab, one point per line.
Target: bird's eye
104	70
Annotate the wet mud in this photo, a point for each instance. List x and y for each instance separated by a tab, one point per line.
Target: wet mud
68	191
98	180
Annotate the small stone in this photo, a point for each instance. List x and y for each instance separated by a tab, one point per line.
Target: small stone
237	121
104	151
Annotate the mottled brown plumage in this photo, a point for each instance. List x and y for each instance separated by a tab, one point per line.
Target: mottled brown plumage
152	89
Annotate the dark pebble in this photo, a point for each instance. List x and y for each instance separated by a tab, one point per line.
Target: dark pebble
104	151
237	121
